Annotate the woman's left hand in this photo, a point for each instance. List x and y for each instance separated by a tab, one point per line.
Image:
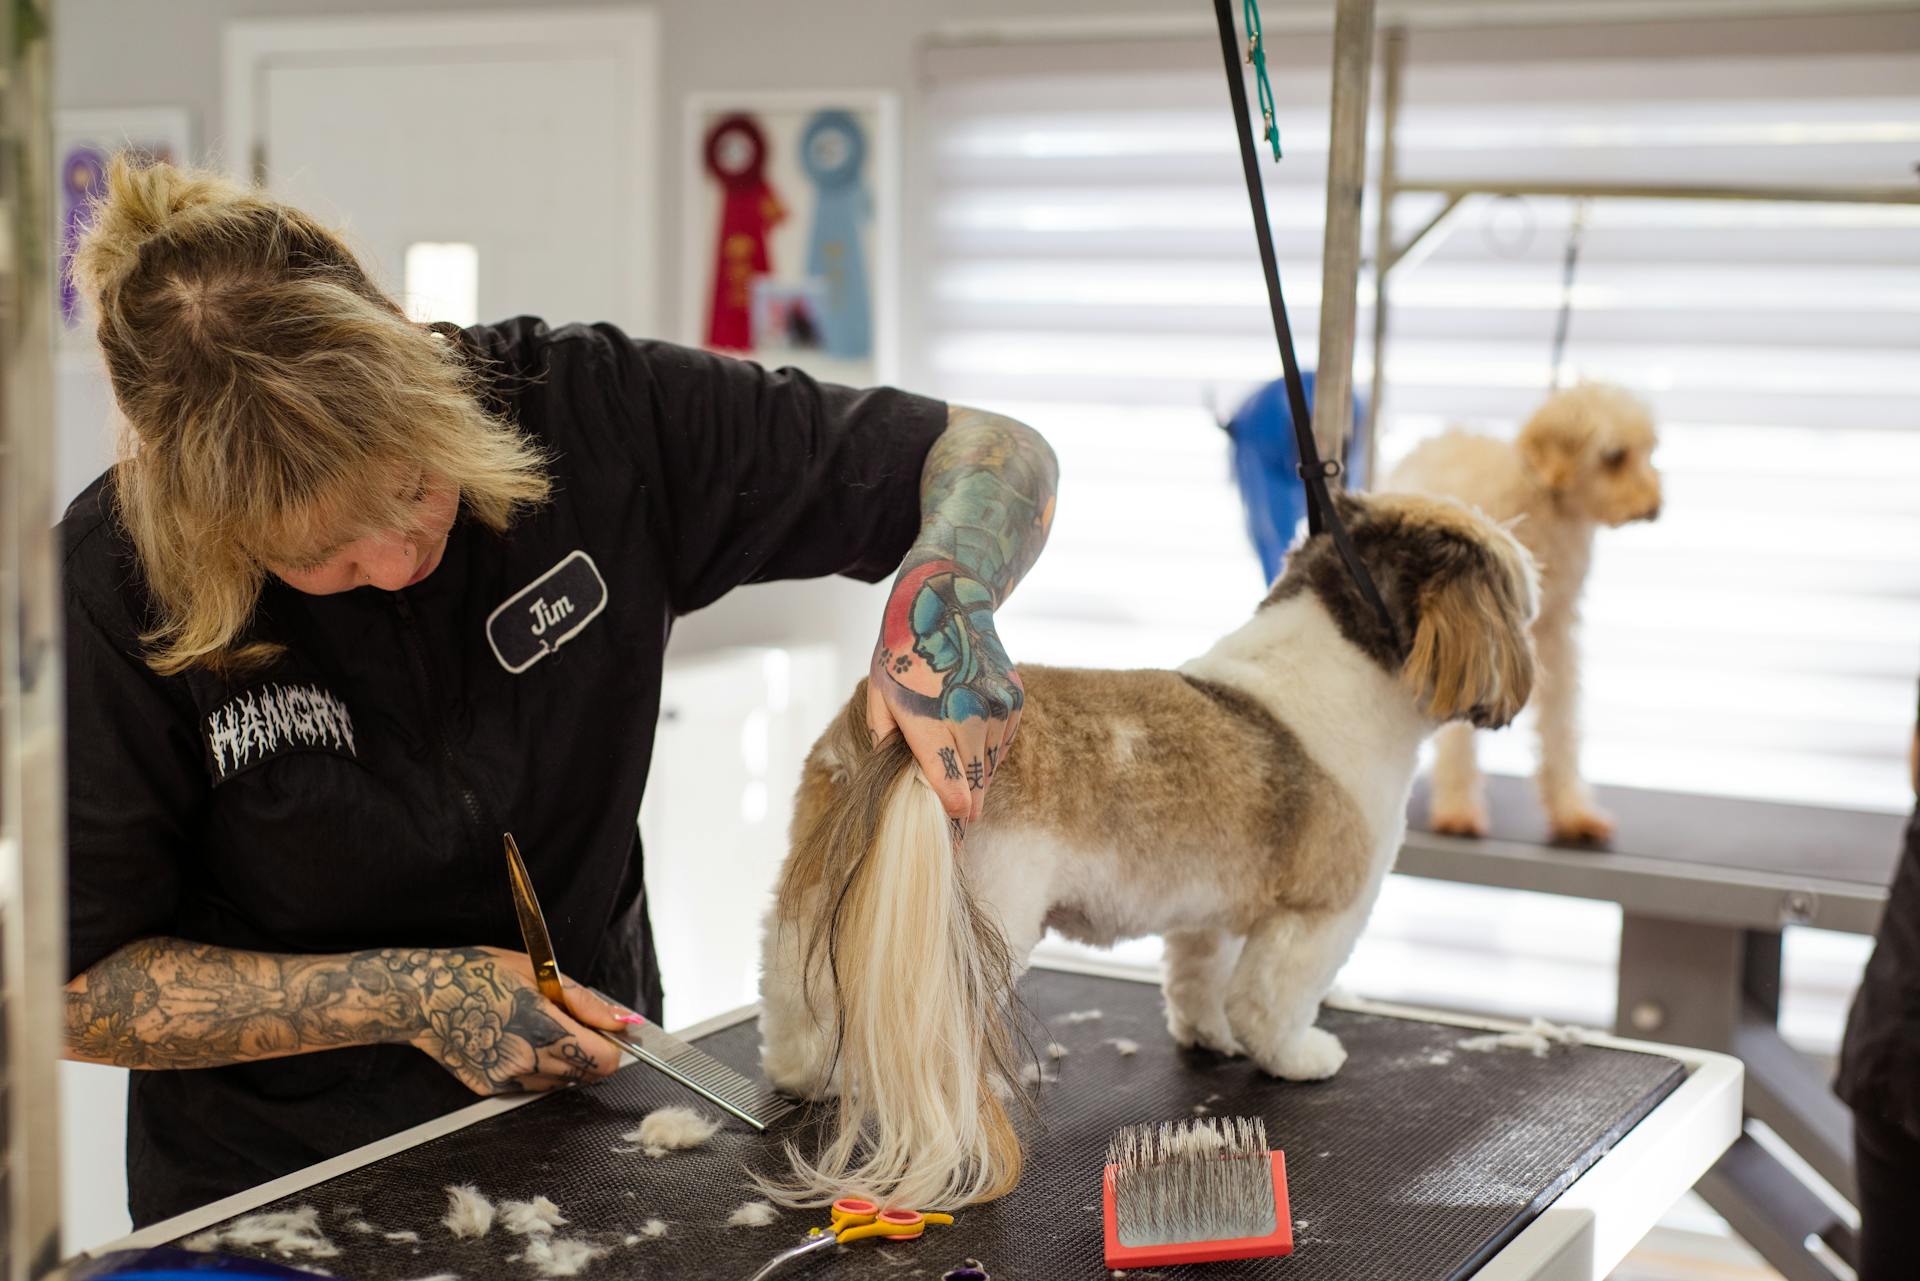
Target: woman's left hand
942	679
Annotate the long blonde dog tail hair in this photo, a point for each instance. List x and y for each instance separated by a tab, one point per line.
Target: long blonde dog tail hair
921	985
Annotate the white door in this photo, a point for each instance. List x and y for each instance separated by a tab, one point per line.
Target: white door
525	140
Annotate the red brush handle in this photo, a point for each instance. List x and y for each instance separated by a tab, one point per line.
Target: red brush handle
1279	1241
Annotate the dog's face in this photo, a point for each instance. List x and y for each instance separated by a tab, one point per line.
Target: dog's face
1592	448
1462	592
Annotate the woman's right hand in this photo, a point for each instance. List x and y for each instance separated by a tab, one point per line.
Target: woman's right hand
483	1019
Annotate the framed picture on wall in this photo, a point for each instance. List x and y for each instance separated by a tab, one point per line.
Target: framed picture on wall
791	231
83	141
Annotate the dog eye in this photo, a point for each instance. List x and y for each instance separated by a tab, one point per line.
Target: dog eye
1614	459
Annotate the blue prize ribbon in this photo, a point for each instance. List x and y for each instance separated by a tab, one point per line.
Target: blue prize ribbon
833	150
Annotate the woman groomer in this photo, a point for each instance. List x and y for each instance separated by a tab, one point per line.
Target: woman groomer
360	596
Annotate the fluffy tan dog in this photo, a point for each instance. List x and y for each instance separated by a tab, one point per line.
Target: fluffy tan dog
1246	807
1583	460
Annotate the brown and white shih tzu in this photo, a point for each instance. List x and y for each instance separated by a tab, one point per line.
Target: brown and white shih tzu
1246	807
1585	459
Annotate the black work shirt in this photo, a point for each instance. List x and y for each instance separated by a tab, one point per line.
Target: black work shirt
1879	1075
352	795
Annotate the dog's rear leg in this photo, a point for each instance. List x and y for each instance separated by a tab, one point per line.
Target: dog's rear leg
1459	794
1286	967
796	1036
1199	968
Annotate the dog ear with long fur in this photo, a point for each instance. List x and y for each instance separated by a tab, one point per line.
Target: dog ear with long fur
1553	443
1472	652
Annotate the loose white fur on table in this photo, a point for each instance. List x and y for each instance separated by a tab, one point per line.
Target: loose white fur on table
1080	1016
1124	1047
754	1214
1583	460
527	1218
560	1256
1537	1038
670	1129
288	1232
468	1213
652	1230
1247	808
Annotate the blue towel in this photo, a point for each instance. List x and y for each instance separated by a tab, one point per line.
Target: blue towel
1266	465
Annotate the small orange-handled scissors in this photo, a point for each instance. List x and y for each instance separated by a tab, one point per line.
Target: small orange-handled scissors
857	1220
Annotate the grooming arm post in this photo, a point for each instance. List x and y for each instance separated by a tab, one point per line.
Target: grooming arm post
1340	265
1394	58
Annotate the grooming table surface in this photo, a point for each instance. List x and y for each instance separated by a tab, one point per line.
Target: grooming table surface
1756	864
1420	1160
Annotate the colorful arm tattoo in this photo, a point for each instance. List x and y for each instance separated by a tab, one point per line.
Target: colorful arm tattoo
986	498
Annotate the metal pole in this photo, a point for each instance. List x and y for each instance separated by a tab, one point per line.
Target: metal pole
1340	262
1394	58
32	863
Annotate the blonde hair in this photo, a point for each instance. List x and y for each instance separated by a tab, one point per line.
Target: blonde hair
274	398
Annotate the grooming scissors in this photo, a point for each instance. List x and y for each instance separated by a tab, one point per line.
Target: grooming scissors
699	1071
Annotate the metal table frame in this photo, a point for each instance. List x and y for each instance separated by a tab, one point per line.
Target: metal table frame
1581	1236
1700	948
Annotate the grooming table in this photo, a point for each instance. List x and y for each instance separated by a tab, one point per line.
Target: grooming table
1420	1160
1706	885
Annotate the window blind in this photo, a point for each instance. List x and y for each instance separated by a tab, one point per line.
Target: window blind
1093	270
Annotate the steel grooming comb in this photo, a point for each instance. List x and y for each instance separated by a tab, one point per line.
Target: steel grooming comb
1195	1192
699	1071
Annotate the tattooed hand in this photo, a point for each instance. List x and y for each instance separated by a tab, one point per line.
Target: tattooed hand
170	1003
940	675
960	730
484	1020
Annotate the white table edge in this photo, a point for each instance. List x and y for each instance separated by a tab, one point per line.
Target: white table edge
1581	1236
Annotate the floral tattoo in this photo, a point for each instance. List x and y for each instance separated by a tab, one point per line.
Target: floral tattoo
167	1003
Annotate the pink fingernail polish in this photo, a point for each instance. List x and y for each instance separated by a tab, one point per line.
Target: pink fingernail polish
633	1019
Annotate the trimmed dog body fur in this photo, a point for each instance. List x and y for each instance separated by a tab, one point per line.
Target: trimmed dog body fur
1247	807
1585	459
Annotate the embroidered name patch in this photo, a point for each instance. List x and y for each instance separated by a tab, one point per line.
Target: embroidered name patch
547	613
270	720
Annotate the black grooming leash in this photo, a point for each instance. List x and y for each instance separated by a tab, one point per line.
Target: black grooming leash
1314	471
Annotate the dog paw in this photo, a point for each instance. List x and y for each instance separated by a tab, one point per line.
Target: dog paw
1205	1034
1459	820
798	1073
1583	826
1313	1055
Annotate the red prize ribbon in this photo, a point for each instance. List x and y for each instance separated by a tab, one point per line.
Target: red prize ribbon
736	157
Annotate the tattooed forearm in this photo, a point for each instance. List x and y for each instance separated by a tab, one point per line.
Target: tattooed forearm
987	494
167	1003
986	497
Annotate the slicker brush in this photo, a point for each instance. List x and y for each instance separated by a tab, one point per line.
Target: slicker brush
1195	1192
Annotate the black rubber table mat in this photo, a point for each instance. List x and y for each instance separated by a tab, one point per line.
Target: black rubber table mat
1861	846
1419	1160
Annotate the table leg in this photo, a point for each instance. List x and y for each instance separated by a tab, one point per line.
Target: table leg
1718	988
